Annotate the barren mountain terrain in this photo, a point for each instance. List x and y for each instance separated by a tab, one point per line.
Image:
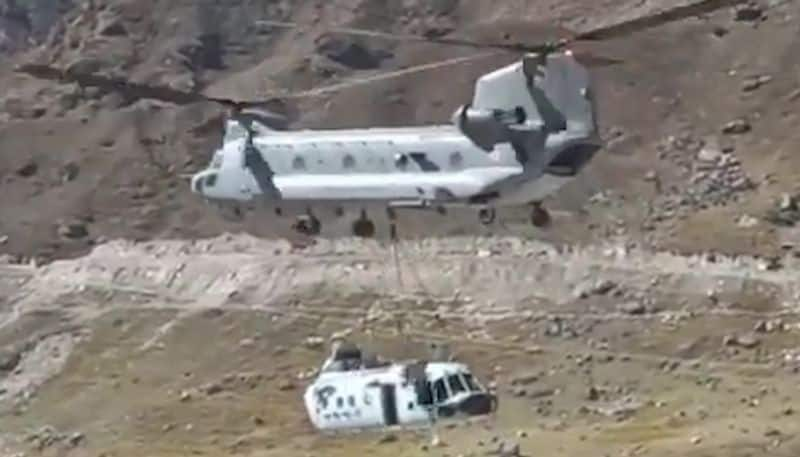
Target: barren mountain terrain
657	316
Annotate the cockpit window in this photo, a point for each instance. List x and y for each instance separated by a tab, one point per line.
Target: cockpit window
211	180
440	389
456	385
470	382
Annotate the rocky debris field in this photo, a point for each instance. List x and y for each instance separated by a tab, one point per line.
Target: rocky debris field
204	347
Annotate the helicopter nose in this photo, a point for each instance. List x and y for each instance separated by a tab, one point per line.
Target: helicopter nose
479	404
197	184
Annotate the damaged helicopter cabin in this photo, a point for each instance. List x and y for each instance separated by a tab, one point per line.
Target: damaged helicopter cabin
357	392
529	129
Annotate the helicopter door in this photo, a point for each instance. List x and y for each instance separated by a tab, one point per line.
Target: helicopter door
389	404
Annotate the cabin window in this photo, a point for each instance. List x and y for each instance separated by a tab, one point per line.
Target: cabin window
440	389
401	161
348	161
339	402
426	164
456	160
456	386
410	405
299	163
351	400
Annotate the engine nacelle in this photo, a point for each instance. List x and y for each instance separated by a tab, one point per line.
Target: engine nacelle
487	127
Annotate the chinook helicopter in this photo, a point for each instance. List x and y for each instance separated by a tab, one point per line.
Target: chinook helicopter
354	391
530	128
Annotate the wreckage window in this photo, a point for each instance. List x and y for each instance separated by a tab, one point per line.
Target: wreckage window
440	389
456	386
470	381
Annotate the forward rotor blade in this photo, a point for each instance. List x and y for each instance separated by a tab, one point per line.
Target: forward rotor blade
136	90
132	89
594	60
654	20
264	117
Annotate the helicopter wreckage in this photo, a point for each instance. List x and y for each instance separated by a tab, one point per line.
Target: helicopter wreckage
355	391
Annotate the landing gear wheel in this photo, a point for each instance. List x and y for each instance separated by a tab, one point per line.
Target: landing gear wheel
391	214
540	217
308	225
363	228
487	215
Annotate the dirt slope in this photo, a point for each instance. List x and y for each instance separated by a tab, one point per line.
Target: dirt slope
203	348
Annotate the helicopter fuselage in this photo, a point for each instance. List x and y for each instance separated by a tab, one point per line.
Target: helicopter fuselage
396	166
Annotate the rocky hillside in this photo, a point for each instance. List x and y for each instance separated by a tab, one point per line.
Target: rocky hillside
25	23
699	117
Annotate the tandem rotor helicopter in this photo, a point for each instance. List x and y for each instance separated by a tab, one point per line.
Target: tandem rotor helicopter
530	128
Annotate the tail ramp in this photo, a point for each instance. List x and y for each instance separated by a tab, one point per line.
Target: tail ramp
536	102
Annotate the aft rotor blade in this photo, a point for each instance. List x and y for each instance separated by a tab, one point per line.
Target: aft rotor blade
380	77
654	20
601	33
518	47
